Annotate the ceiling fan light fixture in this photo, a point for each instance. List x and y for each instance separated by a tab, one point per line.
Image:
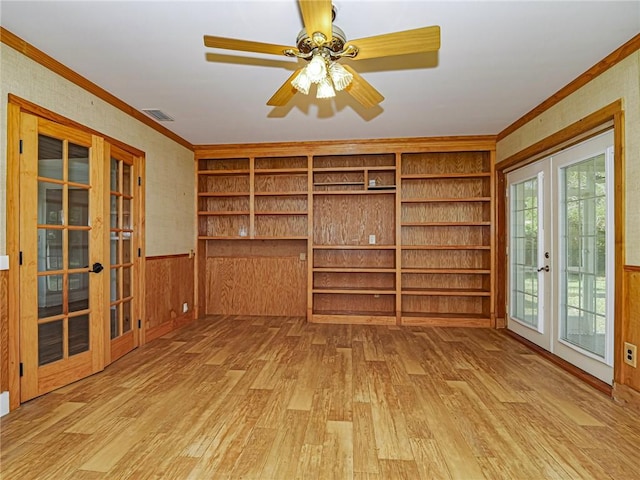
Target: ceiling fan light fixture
325	89
340	76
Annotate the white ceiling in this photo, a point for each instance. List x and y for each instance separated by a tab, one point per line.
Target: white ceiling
498	60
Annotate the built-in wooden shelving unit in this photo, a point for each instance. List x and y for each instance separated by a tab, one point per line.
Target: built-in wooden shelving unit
446	237
394	233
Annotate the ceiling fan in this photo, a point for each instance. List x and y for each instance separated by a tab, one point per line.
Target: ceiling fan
323	44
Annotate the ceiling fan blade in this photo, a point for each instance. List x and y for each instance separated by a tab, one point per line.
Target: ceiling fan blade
285	92
418	40
317	16
245	45
362	90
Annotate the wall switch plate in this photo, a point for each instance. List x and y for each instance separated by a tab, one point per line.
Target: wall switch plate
185	307
631	354
303	257
372	239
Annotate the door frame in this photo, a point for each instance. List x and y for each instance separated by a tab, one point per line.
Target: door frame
610	116
15	107
550	232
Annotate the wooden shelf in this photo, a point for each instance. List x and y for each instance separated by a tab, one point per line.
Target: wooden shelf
350	318
354	192
445	224
427	176
336	184
221	213
224	172
354	290
279	194
354	247
426	319
352	270
299	212
445	200
466	292
446	247
381	168
223	194
284	171
222	237
287	237
453	271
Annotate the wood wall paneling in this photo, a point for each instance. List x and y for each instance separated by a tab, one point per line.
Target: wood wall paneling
256	277
4	330
169	283
359	216
631	323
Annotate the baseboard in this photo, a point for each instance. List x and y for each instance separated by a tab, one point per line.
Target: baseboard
562	363
168	326
4	403
626	396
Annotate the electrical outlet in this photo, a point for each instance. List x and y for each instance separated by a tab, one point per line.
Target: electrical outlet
185	307
303	257
372	239
630	354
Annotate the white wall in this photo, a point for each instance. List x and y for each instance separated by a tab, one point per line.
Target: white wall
619	82
170	190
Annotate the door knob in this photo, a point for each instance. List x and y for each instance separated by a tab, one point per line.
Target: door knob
545	268
96	268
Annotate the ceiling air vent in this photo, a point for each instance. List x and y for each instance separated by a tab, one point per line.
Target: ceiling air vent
158	115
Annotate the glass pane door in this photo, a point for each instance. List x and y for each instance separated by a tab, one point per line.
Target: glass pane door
561	254
60	219
584	242
123	331
63	249
585	245
528	255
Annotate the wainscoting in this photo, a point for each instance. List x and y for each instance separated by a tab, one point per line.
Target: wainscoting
256	278
630	377
4	330
168	286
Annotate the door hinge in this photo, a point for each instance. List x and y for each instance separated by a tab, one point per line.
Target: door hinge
20	146
21	369
139	323
20	259
139	181
139	252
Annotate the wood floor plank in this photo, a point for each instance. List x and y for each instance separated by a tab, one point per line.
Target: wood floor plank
365	459
269	398
337	451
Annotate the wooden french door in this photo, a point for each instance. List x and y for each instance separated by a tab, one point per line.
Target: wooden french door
80	217
124	202
62	255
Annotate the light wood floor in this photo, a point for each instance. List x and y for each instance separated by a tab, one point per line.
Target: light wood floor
273	398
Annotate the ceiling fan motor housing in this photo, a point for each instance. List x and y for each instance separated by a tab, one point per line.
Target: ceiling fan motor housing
336	44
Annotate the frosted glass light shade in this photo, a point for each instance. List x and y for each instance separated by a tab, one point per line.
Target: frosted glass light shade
340	76
302	82
325	89
317	69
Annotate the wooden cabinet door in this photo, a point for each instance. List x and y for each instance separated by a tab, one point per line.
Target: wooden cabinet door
62	277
